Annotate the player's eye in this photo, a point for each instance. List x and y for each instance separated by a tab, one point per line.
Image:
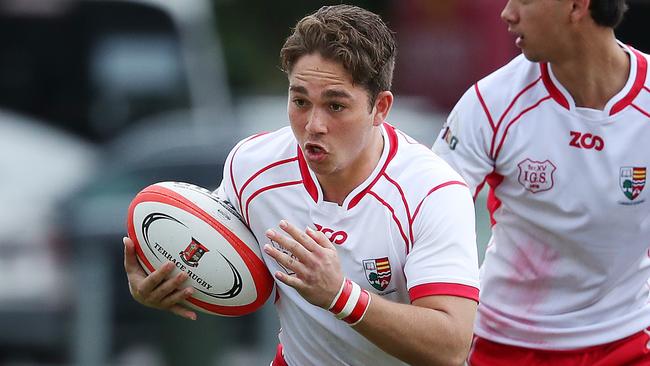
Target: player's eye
300	103
335	107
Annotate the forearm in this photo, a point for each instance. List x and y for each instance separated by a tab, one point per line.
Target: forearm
420	335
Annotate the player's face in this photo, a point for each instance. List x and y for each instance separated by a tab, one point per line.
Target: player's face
541	27
332	119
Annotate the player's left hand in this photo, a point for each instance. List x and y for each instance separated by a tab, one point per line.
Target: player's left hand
318	276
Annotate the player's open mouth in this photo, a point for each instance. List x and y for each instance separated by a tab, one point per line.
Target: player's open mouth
519	39
315	152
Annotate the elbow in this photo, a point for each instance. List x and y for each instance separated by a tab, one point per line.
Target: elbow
454	354
459	350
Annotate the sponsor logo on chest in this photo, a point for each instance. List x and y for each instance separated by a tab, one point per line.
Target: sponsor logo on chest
536	176
586	141
335	236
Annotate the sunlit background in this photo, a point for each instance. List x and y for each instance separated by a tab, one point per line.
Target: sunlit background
99	98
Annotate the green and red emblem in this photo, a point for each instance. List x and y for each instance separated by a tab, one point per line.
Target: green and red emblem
377	272
632	181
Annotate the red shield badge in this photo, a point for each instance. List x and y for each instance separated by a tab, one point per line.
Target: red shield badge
536	176
193	253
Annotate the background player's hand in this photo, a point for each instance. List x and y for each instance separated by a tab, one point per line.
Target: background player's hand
318	276
157	290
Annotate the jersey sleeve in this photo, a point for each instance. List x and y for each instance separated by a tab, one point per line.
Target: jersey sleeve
466	139
444	259
227	189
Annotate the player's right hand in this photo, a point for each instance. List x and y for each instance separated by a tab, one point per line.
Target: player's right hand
157	290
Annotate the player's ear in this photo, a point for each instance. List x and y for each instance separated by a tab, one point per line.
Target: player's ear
383	104
579	9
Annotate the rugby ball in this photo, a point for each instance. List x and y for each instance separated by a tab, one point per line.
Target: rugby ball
205	237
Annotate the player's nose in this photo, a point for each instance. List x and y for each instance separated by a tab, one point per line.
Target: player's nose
508	14
316	123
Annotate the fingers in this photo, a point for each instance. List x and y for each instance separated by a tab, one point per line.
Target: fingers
131	265
162	293
153	280
156	289
295	247
285	259
299	236
183	312
320	239
292	281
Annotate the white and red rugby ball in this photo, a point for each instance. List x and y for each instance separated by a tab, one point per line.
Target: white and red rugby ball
204	237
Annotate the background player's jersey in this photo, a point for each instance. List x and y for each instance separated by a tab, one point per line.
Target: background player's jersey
404	233
567	263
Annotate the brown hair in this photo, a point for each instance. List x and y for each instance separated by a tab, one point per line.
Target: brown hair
352	36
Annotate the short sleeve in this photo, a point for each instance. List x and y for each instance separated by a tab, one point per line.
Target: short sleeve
227	190
466	139
444	259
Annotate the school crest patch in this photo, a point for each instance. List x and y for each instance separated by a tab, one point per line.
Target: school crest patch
378	272
632	181
536	176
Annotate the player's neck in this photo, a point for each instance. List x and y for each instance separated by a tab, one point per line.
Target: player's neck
595	71
336	187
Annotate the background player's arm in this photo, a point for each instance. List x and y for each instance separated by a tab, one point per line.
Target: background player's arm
465	141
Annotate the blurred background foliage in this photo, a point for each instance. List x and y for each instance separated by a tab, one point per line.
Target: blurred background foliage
253	33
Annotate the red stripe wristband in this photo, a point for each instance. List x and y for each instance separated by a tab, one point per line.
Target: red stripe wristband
351	302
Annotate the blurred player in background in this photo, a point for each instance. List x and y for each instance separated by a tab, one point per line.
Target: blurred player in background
369	235
561	135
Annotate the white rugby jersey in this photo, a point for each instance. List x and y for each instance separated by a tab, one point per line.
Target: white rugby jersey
567	263
406	232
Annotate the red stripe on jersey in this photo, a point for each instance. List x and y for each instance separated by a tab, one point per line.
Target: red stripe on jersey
410	140
417	209
343	297
478	188
640	110
485	108
641	70
359	308
503	116
505	133
392	140
392	211
239	194
555	93
493	202
443	289
232	176
279	357
646	89
406	205
308	182
259	191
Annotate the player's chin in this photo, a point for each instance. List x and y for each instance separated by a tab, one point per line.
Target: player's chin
320	167
532	56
